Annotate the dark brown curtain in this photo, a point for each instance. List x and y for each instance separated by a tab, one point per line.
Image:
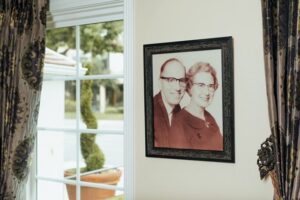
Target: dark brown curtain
22	50
280	153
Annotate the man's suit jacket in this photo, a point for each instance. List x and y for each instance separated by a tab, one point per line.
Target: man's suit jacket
161	122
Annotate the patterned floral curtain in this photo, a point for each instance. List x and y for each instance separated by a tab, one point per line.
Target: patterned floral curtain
22	51
280	154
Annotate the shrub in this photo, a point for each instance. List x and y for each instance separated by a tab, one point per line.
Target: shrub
91	152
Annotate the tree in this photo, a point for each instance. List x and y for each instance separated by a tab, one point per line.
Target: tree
96	39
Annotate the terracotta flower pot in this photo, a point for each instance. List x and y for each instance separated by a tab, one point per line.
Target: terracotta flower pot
111	177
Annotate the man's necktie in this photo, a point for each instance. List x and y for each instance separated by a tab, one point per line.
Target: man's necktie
175	110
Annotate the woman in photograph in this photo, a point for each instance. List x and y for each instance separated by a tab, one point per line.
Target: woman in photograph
194	127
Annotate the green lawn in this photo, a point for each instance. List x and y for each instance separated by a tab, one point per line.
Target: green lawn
119	197
112	113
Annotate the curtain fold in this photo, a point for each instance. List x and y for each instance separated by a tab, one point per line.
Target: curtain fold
281	32
22	51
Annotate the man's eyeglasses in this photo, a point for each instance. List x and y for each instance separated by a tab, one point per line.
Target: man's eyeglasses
172	80
210	87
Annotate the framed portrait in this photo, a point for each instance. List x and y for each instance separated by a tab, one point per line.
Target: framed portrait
189	99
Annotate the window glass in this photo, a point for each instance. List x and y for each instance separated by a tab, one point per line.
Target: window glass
62	129
104	98
101	47
56	154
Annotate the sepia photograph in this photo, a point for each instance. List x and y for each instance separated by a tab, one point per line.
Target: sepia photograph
189	99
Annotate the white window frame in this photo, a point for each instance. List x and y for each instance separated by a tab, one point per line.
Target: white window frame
62	15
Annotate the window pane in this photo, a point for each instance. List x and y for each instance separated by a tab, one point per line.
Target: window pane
112	147
51	190
60	58
101	52
102	152
57	108
119	195
102	104
90	193
56	154
102	47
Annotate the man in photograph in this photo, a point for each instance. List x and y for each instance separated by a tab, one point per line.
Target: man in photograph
166	103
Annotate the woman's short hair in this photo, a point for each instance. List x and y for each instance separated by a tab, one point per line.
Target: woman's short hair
200	67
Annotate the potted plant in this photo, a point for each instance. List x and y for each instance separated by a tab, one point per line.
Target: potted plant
92	154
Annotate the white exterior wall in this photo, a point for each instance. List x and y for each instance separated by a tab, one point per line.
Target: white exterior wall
50	147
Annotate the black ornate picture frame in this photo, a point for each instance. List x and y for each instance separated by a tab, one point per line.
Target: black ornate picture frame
218	115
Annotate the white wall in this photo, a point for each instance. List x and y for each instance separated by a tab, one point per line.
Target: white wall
176	20
50	145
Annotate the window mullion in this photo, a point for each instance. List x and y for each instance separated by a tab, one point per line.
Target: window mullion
86	77
129	101
92	131
33	186
104	76
81	183
78	92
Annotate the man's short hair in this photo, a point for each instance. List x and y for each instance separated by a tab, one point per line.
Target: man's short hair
163	66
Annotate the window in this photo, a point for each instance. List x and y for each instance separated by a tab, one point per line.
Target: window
83	103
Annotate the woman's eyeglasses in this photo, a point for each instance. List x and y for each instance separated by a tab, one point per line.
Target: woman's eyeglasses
210	87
